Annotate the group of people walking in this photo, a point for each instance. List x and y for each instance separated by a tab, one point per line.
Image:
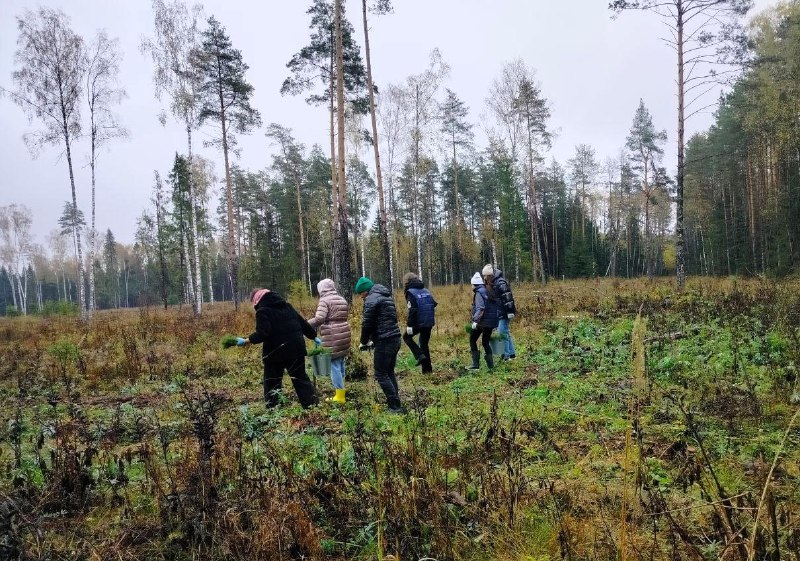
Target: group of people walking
281	330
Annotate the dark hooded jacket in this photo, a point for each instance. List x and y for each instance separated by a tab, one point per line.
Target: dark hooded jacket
281	329
485	307
421	305
504	294
380	316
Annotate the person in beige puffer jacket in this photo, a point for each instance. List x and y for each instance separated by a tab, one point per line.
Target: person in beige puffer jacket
331	322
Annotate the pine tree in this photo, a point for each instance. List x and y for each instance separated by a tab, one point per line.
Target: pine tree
224	95
458	132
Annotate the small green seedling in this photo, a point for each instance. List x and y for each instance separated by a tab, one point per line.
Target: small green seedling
319	350
229	341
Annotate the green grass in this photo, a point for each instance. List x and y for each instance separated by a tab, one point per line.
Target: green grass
522	462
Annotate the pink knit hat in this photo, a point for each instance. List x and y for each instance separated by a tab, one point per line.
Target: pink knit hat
257	295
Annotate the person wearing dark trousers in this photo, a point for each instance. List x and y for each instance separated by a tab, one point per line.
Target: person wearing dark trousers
508	309
380	331
280	330
421	319
485	318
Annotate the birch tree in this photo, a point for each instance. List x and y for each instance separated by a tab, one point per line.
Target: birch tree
102	93
175	74
420	100
15	250
50	67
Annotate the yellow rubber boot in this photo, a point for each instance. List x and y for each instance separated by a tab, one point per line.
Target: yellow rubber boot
338	398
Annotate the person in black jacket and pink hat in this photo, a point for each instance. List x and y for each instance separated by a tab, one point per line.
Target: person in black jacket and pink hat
281	330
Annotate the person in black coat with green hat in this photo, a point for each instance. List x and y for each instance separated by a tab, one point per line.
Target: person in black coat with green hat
381	332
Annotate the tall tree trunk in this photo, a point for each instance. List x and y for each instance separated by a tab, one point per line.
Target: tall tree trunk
209	277
334	175
93	232
188	294
305	263
648	238
383	225
680	247
343	239
536	253
76	229
161	249
197	286
233	265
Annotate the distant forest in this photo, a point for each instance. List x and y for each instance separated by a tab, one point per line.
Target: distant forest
402	182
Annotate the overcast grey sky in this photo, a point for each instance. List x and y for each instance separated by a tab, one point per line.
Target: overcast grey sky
592	69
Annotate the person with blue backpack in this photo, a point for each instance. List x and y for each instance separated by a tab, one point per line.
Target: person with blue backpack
421	319
485	318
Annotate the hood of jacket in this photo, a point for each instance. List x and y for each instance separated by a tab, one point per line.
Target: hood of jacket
414	283
498	274
380	289
271	300
326	287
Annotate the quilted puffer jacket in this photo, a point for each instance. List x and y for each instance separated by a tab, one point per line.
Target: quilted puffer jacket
503	290
380	316
331	319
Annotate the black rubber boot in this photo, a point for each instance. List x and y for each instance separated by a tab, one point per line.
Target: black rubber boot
427	367
489	360
395	406
476	361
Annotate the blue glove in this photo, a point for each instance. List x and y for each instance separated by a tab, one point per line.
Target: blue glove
317	341
241	341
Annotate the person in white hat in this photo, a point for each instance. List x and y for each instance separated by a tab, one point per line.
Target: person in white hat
485	318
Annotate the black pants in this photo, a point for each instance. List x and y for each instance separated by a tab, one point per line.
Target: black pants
485	333
421	349
384	361
273	379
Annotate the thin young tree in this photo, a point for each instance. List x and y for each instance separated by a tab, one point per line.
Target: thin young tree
102	93
176	38
224	95
379	7
458	132
50	61
16	249
394	123
341	239
531	109
420	101
161	237
703	33
645	150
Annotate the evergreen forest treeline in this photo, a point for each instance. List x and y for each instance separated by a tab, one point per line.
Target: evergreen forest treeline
449	199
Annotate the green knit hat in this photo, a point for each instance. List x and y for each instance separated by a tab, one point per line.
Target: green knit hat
363	285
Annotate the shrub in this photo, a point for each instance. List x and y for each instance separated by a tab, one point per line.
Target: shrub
59	308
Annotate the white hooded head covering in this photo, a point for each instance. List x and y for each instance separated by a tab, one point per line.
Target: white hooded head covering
477	279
